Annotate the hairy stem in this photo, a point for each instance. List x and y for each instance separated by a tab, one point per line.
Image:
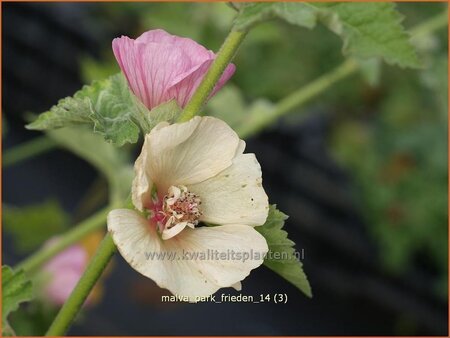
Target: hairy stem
298	98
73	304
89	225
223	58
27	150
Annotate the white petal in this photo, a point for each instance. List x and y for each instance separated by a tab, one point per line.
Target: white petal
173	231
239	249
237	286
235	195
240	149
155	258
190	152
142	185
169	266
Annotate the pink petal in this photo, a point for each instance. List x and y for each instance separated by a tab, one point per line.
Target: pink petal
196	52
227	74
61	286
184	86
64	271
160	66
128	59
74	257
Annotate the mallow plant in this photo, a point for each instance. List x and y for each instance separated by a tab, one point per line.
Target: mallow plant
193	189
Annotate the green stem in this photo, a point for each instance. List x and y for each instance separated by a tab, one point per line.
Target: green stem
89	225
311	90
429	26
223	58
27	150
298	98
87	281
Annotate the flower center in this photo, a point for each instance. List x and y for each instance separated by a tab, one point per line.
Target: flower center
179	205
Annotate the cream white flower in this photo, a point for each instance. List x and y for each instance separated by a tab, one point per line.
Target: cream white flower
189	173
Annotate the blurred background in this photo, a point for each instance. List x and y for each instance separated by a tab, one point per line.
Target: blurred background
361	170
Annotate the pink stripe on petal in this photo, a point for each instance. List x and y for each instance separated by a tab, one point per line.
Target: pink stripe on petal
127	56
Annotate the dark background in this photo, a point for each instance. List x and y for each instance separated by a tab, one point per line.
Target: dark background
51	49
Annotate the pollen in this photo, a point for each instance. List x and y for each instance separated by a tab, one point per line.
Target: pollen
181	205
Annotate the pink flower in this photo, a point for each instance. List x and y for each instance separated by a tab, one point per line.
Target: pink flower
160	67
64	272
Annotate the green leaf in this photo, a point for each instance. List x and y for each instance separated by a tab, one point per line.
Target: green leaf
115	112
34	319
32	225
107	105
68	111
371	29
16	289
281	257
295	13
367	29
168	112
110	108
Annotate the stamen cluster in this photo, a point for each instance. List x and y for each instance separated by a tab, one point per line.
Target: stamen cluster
181	205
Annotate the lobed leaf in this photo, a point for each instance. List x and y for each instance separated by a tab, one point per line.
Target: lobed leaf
114	111
367	29
280	246
371	29
16	289
109	107
295	13
32	225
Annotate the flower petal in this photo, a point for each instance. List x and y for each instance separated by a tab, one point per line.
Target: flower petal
61	285
237	286
227	74
160	67
142	186
150	68
175	264
173	231
234	251
128	59
184	85
196	52
235	195
190	152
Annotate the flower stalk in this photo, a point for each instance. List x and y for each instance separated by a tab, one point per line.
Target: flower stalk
72	306
27	150
299	97
78	232
223	58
